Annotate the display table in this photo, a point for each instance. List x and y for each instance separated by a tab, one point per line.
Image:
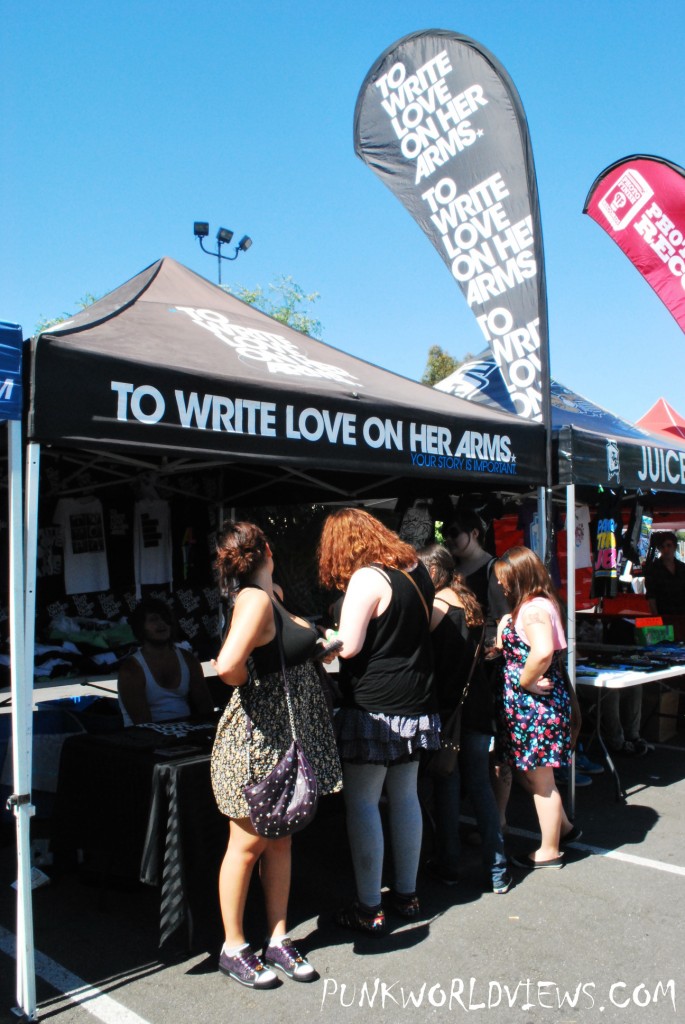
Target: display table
132	806
621	679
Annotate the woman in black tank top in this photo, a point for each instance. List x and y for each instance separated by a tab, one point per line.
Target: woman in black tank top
464	538
242	754
388	715
456	626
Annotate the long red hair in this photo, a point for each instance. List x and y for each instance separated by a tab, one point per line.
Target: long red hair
352	538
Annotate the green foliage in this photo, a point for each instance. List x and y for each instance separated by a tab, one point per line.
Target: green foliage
441	364
285	301
44	324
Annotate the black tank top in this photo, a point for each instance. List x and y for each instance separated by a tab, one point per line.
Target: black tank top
454	648
393	672
299	643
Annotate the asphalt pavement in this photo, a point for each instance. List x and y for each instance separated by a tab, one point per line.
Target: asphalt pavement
599	941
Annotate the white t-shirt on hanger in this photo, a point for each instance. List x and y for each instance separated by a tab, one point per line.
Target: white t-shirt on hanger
152	543
85	551
583	550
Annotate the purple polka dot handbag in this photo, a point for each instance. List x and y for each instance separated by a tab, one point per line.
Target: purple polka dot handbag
286	800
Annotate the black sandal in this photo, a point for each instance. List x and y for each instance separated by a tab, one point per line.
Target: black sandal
361	919
404	904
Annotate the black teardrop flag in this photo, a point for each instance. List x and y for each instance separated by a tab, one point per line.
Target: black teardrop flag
440	122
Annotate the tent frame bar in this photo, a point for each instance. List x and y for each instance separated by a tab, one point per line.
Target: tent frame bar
22	627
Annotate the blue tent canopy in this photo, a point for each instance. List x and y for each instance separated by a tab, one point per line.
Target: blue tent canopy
594	446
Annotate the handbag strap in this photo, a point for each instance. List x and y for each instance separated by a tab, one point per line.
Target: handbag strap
418	591
279	639
413	582
465	691
278	624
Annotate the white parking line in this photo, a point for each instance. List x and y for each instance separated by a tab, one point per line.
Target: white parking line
74	988
630	858
598	851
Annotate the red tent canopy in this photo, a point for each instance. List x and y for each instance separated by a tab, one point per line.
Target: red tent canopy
663	419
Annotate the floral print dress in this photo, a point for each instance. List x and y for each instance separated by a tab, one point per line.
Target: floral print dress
534	731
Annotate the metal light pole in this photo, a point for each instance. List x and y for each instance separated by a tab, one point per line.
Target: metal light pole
223	237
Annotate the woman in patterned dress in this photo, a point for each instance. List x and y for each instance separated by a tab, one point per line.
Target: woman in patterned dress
535	713
245	568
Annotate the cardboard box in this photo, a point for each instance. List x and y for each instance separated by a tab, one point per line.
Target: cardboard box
659	714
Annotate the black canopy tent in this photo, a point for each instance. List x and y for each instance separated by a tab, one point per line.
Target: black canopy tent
168	372
169	366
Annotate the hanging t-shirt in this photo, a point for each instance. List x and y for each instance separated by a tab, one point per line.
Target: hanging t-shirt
583	552
606	542
630	544
85	552
152	543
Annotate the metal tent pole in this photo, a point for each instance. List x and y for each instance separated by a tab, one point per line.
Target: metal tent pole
571	614
22	729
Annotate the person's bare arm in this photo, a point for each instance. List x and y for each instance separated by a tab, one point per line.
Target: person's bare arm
500	627
199	697
439	611
252	626
538	626
131	686
368	592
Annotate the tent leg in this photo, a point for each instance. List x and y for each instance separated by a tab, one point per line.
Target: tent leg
544	506
22	730
571	615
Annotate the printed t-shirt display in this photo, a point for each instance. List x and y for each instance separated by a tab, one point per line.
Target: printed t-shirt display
606	544
583	551
152	543
85	553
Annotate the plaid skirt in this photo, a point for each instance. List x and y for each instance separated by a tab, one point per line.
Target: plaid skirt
369	737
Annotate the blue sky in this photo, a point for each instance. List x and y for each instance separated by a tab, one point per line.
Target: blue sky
124	123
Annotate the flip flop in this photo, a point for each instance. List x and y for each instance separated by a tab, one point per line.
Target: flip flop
571	837
534	865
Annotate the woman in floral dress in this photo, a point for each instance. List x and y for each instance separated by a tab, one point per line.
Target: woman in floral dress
535	712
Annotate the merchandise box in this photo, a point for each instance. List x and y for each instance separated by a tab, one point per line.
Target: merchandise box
659	713
645	636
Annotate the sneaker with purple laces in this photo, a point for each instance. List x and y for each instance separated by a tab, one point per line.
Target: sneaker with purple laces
285	957
246	968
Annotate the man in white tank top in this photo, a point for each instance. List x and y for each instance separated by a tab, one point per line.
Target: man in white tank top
160	682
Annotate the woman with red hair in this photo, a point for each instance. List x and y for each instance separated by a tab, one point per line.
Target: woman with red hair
535	725
388	714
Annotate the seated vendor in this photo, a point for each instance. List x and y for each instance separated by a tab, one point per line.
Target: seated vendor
161	682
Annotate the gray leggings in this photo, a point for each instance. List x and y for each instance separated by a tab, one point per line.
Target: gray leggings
362	787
